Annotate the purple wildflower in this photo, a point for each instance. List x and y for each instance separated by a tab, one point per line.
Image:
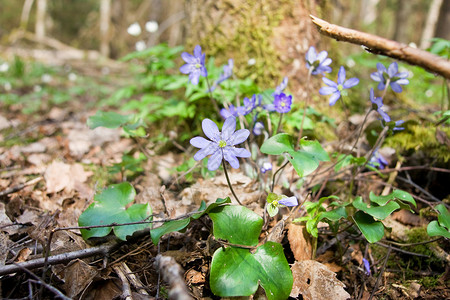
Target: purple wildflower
378	160
318	62
267	166
392	125
232	111
195	65
282	103
366	266
377	104
221	144
279	89
334	88
288	201
258	128
396	79
249	105
227	73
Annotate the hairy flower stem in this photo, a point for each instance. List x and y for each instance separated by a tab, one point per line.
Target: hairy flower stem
279	123
361	129
275	174
305	107
214	102
229	183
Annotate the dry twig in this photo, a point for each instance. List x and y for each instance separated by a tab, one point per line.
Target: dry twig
172	274
379	45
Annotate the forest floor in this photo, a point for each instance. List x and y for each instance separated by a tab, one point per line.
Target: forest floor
52	164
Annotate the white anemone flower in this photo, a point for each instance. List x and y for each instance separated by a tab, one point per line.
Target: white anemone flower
134	29
151	26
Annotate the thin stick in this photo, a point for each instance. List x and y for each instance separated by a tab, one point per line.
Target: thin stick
381	273
229	182
20	186
172	274
379	45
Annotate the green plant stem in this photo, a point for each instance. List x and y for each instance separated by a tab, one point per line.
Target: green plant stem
381	273
229	183
214	102
279	123
305	106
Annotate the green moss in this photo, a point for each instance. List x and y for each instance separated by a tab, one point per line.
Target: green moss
419	137
249	36
429	281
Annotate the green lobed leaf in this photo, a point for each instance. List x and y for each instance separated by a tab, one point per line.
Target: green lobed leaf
315	149
236	272
236	224
395	195
444	216
110	207
372	230
177	225
379	212
303	163
434	229
278	144
108	119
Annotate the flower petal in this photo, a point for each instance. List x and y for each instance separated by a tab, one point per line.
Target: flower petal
322	56
239	152
329	82
291	201
341	75
198	51
228	128
381	86
189	58
194	76
229	157
204	152
211	130
238	137
326	90
377	76
334	98
403	81
215	160
351	83
311	55
199	142
392	69
381	68
396	87
186	69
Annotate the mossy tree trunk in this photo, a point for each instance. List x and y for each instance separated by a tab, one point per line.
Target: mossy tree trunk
275	33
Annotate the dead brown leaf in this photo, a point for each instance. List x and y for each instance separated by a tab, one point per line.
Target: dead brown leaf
314	281
60	176
23	255
300	242
77	276
406	217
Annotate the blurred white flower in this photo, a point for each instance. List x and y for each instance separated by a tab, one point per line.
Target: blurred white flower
4	67
134	29
251	61
46	78
37	88
7	86
151	26
350	63
72	76
140	46
429	93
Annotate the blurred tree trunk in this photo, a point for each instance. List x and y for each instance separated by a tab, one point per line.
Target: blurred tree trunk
274	34
25	13
443	25
430	25
105	19
403	14
41	11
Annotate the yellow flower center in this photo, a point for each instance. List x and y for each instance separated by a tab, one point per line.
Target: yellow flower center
222	143
198	66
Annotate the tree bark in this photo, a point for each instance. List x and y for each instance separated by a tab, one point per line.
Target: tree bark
443	25
105	19
430	25
25	14
40	19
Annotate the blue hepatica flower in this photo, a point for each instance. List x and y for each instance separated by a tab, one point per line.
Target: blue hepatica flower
288	201
282	103
195	65
377	104
392	125
222	144
279	89
227	73
266	167
396	79
232	111
249	105
317	63
334	88
378	160
366	266
258	128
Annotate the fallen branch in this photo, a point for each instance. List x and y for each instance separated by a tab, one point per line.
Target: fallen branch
20	186
379	45
58	259
172	274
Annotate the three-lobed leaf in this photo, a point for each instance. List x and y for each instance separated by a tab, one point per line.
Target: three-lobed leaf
108	119
110	207
237	272
372	230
